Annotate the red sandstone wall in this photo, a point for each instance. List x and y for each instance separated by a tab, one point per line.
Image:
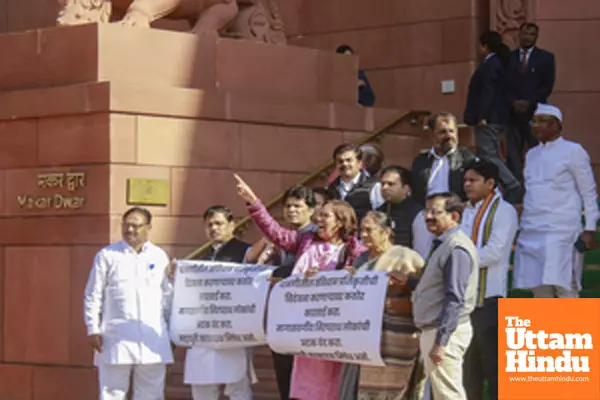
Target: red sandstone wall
571	31
407	47
119	131
45	262
18	15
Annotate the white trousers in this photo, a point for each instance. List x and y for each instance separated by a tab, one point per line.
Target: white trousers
445	379
239	390
555	291
148	381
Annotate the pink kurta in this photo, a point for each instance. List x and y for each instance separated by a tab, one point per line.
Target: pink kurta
314	379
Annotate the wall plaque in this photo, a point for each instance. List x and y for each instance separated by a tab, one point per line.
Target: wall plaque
149	192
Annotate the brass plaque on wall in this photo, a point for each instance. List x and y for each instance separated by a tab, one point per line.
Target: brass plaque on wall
149	192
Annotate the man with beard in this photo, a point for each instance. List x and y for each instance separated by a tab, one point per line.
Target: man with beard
444	296
207	369
559	184
354	184
442	168
126	312
492	225
531	81
298	209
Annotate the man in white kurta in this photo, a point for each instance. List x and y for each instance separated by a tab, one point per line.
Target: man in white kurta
559	185
126	300
207	369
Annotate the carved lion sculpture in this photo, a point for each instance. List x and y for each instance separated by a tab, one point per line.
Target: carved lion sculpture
250	19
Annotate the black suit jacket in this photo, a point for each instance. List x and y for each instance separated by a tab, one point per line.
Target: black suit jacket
232	251
487	97
537	83
421	170
360	195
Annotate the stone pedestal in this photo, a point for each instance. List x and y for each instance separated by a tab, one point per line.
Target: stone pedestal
85	109
96	53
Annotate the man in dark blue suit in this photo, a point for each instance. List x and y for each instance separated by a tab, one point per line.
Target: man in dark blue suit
531	81
488	108
366	96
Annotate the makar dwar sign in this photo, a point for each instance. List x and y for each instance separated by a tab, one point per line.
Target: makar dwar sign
332	315
71	181
219	305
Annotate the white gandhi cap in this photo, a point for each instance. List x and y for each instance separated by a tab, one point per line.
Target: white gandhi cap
547	109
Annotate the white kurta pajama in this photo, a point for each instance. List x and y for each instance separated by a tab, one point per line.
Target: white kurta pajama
127	301
559	180
206	369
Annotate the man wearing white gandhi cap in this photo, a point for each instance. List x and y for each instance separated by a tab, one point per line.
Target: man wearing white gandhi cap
558	181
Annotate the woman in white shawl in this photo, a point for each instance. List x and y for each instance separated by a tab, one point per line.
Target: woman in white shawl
403	377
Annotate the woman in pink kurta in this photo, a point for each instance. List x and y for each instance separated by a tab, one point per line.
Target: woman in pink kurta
333	246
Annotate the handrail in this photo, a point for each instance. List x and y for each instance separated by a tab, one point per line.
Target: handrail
413	116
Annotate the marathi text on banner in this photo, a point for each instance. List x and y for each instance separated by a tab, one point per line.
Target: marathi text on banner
219	305
333	315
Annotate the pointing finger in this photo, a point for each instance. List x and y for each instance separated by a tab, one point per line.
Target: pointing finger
238	179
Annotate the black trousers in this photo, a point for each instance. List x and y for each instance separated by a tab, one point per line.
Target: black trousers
518	139
481	358
283	372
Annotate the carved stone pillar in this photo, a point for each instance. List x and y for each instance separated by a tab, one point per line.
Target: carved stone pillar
507	15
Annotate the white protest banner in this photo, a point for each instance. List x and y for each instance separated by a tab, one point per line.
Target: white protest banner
219	305
332	315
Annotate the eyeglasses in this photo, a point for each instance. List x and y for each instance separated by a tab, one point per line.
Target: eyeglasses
134	226
433	211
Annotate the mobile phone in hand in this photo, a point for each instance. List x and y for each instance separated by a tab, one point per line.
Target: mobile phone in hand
580	246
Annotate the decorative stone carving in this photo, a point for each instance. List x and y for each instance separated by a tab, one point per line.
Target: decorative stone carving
506	17
77	12
257	20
